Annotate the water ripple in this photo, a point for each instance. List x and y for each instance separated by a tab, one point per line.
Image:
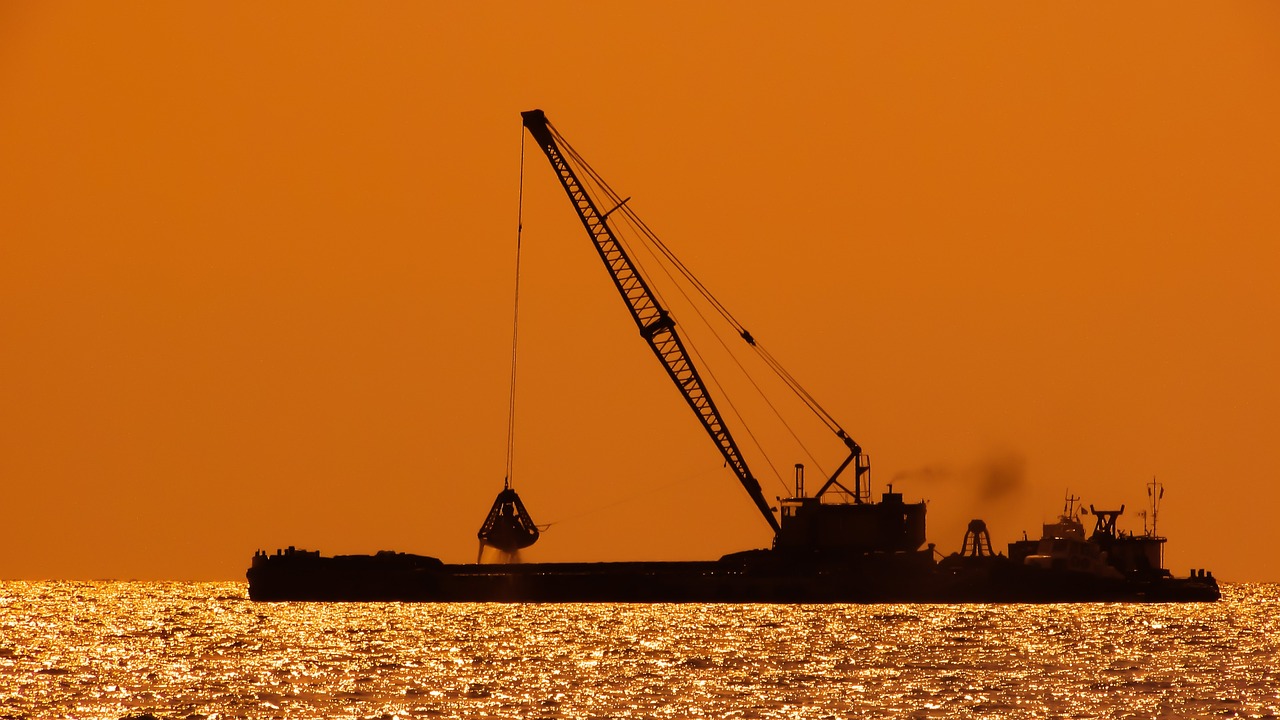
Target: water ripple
174	650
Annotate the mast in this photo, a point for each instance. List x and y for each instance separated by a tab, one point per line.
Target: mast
656	325
1155	491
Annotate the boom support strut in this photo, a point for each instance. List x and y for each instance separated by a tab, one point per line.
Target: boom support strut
655	324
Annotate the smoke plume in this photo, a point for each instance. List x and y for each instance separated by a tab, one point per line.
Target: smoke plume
994	477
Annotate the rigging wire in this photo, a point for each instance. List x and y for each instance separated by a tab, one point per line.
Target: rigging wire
708	369
733	408
672	261
787	378
773	364
764	397
515	326
646	493
598	184
602	188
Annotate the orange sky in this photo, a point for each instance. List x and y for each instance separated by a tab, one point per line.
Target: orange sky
256	269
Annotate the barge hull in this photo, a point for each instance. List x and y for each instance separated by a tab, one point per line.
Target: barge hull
752	577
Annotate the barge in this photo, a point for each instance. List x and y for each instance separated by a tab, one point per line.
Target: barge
835	545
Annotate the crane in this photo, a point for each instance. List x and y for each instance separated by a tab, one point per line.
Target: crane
808	524
656	325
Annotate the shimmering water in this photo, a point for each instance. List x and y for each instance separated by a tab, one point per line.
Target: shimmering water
185	650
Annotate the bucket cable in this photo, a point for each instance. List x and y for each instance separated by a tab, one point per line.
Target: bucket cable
515	325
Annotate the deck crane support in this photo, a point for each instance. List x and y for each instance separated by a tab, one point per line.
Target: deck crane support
655	323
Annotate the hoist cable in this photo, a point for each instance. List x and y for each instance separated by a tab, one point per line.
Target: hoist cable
515	325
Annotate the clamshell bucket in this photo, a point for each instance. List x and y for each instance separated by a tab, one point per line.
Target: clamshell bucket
508	526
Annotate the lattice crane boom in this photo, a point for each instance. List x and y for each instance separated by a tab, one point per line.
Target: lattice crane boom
656	326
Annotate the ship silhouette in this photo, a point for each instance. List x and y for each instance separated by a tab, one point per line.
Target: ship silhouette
835	545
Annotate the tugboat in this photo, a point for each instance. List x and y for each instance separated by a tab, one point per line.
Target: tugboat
1063	546
837	545
1065	566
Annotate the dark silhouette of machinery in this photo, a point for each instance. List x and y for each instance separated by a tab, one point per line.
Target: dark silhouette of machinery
508	527
977	541
1105	521
836	545
837	519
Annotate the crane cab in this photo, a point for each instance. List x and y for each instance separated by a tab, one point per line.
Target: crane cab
847	522
890	525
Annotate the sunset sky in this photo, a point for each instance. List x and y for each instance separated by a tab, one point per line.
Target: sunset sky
257	261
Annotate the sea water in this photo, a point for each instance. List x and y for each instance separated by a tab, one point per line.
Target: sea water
203	650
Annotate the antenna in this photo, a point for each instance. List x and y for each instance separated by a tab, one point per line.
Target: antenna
1155	491
1069	505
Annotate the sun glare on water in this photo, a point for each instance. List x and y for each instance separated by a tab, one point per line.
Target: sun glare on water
174	650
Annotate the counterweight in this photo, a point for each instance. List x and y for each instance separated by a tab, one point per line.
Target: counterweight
656	325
